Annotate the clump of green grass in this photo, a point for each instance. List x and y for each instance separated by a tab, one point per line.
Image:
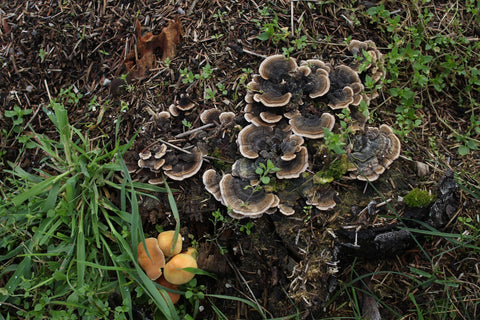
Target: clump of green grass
66	246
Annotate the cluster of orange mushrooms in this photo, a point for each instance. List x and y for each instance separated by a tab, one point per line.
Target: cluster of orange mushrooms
290	105
164	263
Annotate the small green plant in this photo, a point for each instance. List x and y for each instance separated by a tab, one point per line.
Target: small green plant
272	31
17	115
247	228
221	87
42	54
187	123
210	94
220	15
334	141
264	170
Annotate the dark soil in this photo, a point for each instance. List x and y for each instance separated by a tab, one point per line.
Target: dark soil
286	264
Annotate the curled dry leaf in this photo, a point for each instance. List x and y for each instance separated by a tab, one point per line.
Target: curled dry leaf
144	58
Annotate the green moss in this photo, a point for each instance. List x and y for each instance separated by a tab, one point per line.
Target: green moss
333	170
418	198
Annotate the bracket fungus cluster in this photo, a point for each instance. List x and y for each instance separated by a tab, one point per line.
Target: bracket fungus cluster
279	157
290	106
164	263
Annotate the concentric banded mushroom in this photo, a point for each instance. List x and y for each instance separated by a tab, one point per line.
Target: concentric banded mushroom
373	152
276	67
179	165
244	200
345	88
311	125
211	181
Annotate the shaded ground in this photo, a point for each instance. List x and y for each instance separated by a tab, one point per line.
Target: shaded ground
281	265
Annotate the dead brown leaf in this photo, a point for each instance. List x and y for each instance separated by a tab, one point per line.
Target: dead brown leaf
140	61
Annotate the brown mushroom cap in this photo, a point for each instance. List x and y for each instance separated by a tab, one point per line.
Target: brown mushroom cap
165	242
267	92
242	199
226	117
180	166
211	181
323	199
270	117
285	209
173	272
276	67
293	168
311	126
375	64
151	265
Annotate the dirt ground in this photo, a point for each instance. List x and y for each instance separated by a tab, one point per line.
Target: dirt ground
286	263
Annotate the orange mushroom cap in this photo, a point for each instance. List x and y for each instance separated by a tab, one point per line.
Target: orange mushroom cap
151	265
165	242
173	272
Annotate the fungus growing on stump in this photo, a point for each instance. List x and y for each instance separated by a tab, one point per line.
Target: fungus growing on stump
180	165
374	64
211	181
311	125
345	88
373	151
243	199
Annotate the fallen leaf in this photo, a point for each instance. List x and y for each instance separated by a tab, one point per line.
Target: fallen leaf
5	26
140	61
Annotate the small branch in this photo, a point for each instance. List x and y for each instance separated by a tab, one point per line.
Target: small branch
189	132
174	146
254	53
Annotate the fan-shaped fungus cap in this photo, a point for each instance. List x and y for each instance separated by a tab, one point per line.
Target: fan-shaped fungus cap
165	242
293	168
286	210
250	140
226	117
276	67
270	117
183	165
318	83
269	93
373	152
211	181
184	103
174	297
252	113
173	272
322	199
151	265
345	87
311	126
242	199
245	169
375	62
290	146
210	115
